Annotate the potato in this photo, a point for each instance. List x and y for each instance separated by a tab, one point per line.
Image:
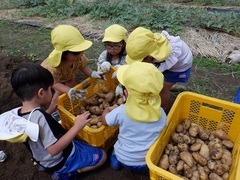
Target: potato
226	159
95	110
214	176
179	128
193	131
195	175
225	176
99	124
120	101
221	134
172	169
94	126
110	96
180	165
94	121
92	101
195	146
204	134
172	158
216	154
176	137
204	151
220	169
199	158
182	146
186	124
202	174
187	158
211	164
105	90
228	144
164	163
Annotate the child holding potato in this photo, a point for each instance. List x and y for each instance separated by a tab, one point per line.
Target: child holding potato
140	119
114	40
53	147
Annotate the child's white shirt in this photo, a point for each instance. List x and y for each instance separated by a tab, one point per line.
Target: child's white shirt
180	58
103	58
135	138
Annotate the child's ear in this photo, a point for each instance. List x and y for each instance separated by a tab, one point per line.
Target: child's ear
125	93
40	92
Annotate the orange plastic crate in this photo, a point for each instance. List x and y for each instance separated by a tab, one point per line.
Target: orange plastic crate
210	113
103	137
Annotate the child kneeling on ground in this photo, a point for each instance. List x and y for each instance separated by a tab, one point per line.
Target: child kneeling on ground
52	147
140	119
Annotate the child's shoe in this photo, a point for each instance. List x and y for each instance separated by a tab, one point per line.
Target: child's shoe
3	156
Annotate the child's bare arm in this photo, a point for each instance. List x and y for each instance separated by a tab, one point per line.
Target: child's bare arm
63	142
107	110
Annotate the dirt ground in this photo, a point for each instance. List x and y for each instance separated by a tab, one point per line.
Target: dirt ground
18	165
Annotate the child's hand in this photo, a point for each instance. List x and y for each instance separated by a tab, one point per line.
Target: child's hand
82	120
53	105
105	66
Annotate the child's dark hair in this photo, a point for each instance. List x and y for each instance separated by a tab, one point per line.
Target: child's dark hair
28	78
121	54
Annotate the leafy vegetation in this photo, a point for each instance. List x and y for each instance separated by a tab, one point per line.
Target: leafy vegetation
156	15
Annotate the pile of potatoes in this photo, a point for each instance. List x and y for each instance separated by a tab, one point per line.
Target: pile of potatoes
196	153
96	104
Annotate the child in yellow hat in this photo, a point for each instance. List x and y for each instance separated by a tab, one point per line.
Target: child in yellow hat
67	58
170	54
140	119
114	40
52	146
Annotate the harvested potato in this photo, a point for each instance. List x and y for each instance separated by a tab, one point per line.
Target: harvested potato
186	124
220	169
105	89
214	176
204	151
193	131
195	146
227	143
199	158
187	158
95	110
221	134
164	163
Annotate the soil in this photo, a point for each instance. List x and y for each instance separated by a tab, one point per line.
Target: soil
18	164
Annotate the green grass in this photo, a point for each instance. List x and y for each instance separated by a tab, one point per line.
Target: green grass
34	43
155	15
20	41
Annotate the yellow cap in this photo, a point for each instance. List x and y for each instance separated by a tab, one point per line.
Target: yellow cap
115	33
19	139
142	42
144	83
66	38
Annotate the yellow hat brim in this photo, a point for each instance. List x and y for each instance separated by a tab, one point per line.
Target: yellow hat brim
55	56
120	73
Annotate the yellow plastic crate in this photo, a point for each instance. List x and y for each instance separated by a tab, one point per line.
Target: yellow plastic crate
103	137
212	114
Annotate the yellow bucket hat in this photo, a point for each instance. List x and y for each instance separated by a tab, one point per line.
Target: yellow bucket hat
115	33
142	42
144	83
16	129
66	38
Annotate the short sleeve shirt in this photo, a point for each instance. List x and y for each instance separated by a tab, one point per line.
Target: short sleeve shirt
46	138
134	138
63	72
